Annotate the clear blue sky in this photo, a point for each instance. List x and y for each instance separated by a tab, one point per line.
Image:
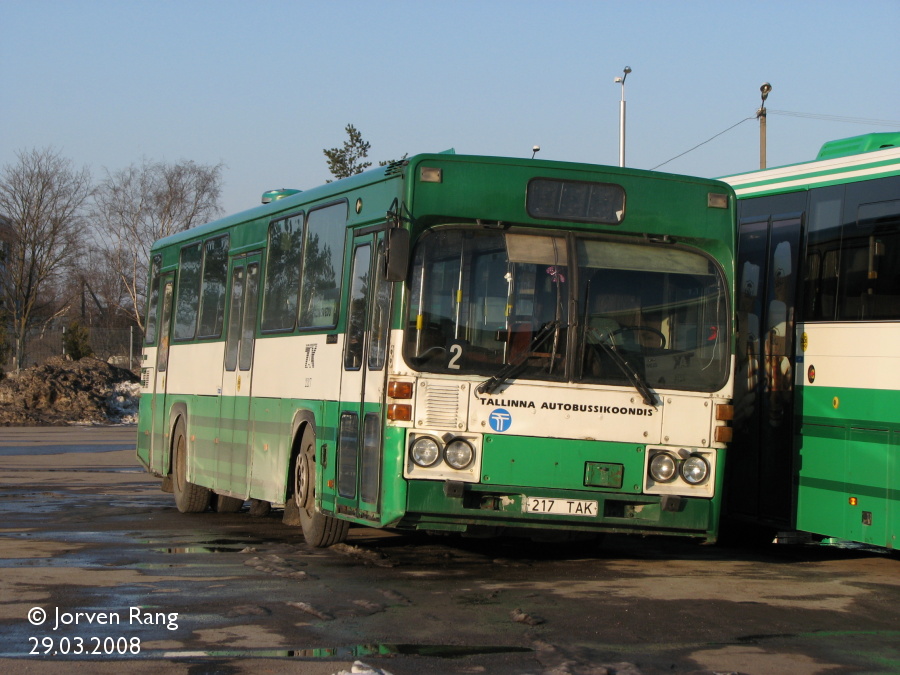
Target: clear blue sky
264	86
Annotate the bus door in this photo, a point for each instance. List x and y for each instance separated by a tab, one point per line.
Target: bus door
359	447
763	449
232	450
159	448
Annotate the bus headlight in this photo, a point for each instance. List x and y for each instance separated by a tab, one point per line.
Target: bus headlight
663	467
425	452
695	470
459	454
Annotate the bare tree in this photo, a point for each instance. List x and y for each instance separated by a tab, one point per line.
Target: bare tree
136	206
43	196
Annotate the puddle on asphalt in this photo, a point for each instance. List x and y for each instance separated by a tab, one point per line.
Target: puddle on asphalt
355	651
177	550
350	652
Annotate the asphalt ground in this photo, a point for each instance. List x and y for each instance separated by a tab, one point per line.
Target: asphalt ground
100	574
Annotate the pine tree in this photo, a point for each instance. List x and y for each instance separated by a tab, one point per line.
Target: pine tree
347	161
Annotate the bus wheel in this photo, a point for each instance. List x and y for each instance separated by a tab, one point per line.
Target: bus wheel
189	498
224	504
319	529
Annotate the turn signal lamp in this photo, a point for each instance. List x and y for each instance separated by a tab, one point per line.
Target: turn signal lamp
399	412
401	390
724	434
724	413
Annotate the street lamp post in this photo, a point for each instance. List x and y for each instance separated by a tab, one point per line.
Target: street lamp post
621	80
761	114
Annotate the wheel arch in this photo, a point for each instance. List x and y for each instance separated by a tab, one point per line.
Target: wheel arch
302	420
177	412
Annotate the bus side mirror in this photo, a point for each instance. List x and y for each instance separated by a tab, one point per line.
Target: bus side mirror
396	255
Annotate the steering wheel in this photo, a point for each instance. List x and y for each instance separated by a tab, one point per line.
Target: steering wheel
649	329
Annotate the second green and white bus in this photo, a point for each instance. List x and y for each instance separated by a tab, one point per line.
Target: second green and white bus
451	343
817	432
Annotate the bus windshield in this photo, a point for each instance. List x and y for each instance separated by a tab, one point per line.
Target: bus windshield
567	307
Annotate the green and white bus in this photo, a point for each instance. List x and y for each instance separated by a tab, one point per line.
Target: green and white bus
451	343
817	429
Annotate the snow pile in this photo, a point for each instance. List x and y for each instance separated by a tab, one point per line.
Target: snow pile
360	668
60	392
123	403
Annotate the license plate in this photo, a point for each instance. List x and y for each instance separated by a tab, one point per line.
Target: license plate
560	507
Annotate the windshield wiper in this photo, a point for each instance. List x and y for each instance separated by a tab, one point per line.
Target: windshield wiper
493	383
624	365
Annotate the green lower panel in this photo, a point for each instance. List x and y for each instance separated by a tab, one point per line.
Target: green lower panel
498	506
848	485
393	485
842	406
562	464
270	451
145	413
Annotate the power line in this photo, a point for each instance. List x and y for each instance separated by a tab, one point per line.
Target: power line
837	118
788	113
747	119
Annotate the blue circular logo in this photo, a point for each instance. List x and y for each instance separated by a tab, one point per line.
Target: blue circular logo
500	419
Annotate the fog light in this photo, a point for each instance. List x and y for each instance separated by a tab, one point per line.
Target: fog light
459	454
425	452
695	470
663	467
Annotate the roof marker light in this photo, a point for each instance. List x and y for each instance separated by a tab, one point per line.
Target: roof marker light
716	200
431	174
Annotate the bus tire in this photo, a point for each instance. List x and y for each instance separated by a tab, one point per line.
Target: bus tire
225	504
189	498
319	530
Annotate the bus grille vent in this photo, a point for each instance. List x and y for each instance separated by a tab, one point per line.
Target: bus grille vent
395	168
442	404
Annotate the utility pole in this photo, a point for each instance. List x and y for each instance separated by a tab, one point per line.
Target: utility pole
761	115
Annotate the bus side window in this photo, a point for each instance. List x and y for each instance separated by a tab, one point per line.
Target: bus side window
153	304
215	275
187	300
234	319
381	316
282	284
323	261
162	355
359	277
869	286
249	323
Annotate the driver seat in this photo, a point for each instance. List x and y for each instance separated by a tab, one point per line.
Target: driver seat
614	307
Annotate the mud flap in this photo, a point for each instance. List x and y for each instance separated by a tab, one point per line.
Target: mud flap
291	513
